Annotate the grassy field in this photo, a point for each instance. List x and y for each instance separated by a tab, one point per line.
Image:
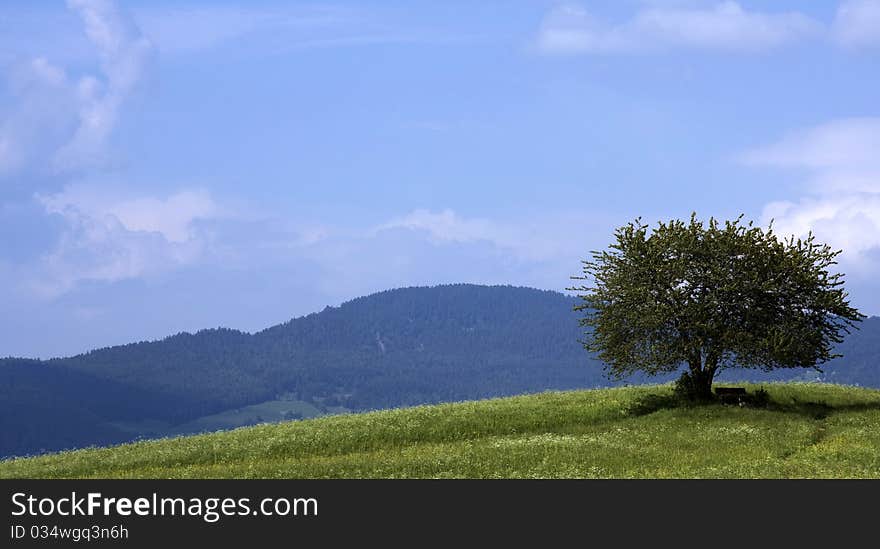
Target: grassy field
807	430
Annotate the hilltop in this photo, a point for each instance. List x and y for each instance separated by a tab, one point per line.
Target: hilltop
806	430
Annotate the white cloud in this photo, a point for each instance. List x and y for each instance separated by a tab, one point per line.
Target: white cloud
849	222
857	23
726	26
839	156
171	217
110	239
46	72
60	124
124	54
845	144
842	168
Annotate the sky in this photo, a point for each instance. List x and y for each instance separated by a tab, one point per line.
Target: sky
169	166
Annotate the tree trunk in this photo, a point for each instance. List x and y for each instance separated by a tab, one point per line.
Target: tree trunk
703	383
702	376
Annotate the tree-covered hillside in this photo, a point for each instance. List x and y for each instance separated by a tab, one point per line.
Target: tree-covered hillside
398	347
394	348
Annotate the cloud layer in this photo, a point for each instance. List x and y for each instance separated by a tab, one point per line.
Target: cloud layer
123	53
857	24
842	170
108	240
59	124
725	26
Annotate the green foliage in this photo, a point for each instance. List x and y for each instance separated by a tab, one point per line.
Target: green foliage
712	296
808	430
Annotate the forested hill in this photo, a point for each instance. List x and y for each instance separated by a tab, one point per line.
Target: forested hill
398	347
394	348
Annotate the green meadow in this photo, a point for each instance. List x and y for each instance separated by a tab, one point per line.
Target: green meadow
804	431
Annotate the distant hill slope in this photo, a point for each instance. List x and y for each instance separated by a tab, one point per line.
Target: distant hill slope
806	430
394	348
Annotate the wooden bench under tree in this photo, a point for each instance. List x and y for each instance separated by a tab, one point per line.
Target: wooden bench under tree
728	395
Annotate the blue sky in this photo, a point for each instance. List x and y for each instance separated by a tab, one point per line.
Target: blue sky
170	166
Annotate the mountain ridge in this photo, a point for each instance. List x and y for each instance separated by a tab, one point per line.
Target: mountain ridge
398	347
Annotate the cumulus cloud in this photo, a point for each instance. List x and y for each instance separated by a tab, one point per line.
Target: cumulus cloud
62	124
842	171
849	222
857	24
110	239
107	237
726	26
212	266
171	217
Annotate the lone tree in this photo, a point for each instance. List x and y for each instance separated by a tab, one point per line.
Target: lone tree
715	297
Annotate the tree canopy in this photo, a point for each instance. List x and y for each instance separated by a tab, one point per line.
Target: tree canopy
712	296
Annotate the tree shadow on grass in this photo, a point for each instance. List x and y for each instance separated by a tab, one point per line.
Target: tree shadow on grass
653	402
809	409
816	410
